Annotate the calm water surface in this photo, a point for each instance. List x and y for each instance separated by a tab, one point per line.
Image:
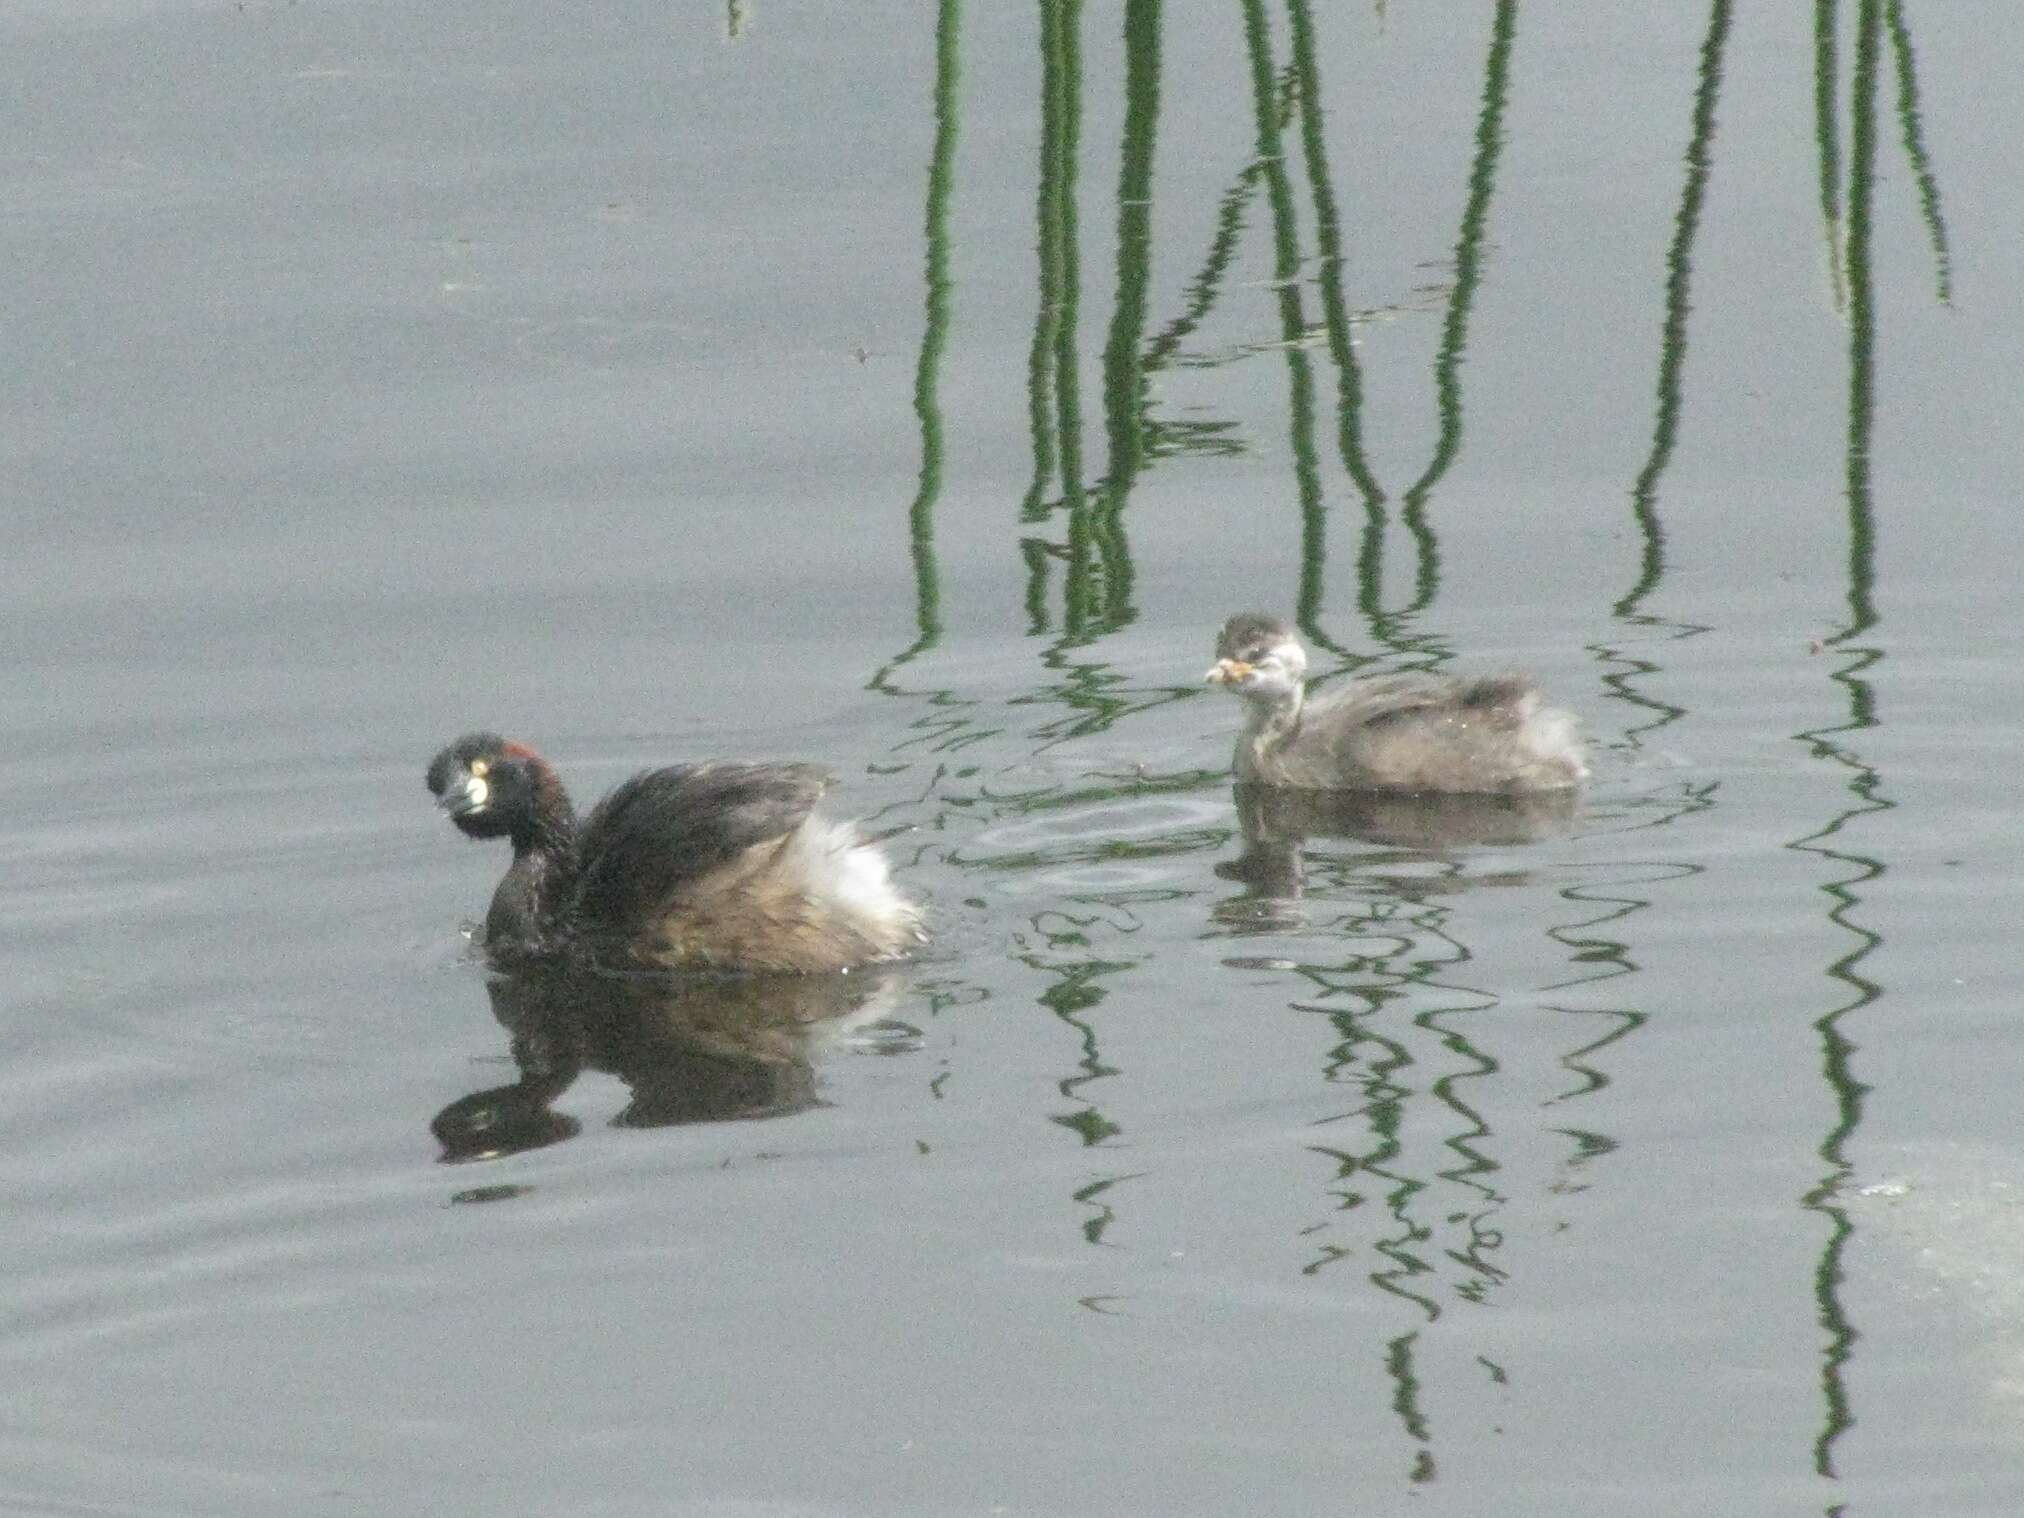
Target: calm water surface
913	389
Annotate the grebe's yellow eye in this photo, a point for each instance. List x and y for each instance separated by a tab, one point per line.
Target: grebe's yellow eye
479	766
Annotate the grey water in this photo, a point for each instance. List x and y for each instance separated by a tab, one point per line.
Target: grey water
912	389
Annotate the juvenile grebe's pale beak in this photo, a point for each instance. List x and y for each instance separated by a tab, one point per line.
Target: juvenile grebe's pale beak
1227	670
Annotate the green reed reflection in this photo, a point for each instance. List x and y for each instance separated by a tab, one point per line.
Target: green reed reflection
1861	316
934	343
1626	673
1678	291
1410	1186
1853	870
1328	245
1093	551
1603	958
934	330
1198	298
1378	1066
1915	151
1124	390
1412	958
1468	274
1292	318
1102	1214
1053	364
1097	577
1442	1214
1827	133
1306	76
1077	990
1406	1402
1097	570
1368	1060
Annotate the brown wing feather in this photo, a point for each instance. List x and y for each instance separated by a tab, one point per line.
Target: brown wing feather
666	828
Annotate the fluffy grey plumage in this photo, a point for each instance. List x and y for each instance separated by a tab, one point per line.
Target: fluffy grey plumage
1412	732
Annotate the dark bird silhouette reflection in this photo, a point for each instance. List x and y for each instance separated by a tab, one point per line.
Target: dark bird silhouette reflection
1276	822
690	1049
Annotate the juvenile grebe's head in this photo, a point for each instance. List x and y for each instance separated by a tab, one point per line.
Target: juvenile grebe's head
490	787
1258	657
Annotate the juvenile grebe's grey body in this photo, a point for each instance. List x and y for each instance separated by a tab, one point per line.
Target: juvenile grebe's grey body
713	866
1411	732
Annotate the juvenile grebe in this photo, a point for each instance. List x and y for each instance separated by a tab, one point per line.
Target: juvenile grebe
1410	732
717	866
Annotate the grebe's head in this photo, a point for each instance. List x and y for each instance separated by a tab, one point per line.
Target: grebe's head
1259	658
491	788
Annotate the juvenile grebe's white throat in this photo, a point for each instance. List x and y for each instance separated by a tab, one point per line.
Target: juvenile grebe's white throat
1272	673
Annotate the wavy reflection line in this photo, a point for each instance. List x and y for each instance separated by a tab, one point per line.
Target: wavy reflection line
1837	1057
1483	1239
1102	1213
1415	953
1447	1089
1399	957
1623	671
1405	1380
1601	959
1477	1166
1383	1111
1095	694
1406	1265
1382	1114
1271	97
1075	992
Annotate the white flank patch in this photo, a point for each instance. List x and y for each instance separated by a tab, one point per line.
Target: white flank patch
833	861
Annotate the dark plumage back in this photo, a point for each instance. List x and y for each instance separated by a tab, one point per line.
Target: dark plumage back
663	829
1502	701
